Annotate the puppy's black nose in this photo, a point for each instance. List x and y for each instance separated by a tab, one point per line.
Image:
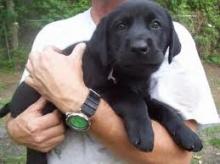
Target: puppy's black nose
140	47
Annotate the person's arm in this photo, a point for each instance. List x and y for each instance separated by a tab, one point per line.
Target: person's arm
109	128
69	94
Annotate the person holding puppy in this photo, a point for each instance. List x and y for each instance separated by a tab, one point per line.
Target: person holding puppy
48	68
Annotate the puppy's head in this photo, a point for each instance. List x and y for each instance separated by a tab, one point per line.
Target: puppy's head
134	38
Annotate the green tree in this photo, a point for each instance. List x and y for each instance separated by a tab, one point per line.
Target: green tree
202	18
30	16
9	28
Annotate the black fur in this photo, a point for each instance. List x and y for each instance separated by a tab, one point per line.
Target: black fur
131	43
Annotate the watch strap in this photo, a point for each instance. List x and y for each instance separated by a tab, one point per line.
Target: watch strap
91	103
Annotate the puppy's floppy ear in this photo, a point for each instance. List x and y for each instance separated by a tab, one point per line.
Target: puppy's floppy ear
98	43
174	45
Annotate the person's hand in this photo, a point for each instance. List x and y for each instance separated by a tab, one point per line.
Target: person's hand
59	78
37	131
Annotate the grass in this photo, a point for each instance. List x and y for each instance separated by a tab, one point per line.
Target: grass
211	142
3	101
215	142
212	131
11	159
211	136
214	59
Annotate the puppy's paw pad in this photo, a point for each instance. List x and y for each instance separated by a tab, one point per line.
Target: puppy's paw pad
141	138
146	145
187	139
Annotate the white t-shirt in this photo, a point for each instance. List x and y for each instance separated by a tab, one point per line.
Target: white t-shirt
181	84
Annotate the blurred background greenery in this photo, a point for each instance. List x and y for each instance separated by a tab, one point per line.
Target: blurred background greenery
21	20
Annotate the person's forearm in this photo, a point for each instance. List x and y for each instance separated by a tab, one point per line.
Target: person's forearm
108	127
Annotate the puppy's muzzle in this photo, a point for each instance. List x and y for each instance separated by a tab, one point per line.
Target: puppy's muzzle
140	47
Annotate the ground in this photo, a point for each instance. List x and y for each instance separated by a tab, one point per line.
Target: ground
10	153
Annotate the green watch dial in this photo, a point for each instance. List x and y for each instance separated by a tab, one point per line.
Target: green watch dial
78	122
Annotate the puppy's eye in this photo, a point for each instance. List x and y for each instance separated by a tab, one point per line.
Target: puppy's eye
155	25
121	26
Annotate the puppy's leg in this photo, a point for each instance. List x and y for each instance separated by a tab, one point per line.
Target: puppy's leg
173	122
4	110
35	157
133	111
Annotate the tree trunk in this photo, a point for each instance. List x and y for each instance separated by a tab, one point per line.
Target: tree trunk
12	25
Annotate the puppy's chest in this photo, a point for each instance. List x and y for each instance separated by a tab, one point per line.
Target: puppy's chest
140	88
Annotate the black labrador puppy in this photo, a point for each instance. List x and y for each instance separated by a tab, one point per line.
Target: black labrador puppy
128	46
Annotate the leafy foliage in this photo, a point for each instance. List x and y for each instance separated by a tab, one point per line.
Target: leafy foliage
41	12
31	16
201	17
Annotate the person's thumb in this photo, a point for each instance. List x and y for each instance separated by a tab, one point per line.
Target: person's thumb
77	53
38	106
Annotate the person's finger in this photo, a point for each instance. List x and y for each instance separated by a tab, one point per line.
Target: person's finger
55	140
29	80
29	67
33	57
50	144
38	105
56	49
49	120
51	50
49	133
77	52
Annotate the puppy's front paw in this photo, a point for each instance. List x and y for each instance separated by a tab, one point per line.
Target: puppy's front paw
187	139
140	134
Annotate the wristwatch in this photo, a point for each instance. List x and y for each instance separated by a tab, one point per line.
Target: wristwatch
80	121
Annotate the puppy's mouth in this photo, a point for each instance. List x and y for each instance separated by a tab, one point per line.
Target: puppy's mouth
141	65
153	58
134	65
141	70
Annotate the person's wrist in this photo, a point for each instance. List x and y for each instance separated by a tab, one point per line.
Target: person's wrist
74	103
80	120
82	98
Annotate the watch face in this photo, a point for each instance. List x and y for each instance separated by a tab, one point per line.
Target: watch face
78	122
